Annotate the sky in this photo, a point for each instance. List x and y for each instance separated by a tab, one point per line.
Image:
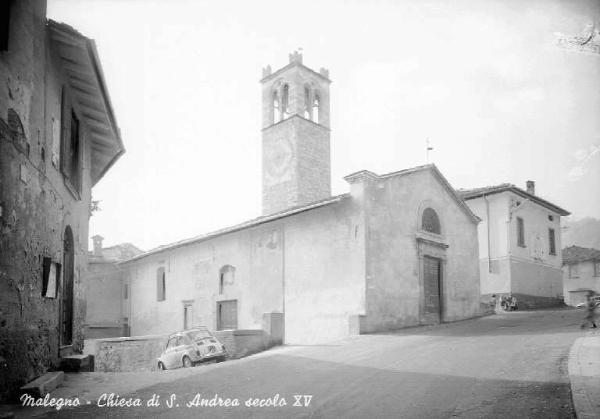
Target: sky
483	80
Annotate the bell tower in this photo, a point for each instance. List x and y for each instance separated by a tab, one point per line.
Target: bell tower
295	136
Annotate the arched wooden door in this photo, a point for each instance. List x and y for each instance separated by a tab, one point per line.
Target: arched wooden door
66	299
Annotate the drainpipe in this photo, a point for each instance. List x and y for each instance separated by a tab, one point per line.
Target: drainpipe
487	214
283	277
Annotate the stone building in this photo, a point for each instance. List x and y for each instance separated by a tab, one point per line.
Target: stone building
519	243
581	273
107	295
398	250
58	137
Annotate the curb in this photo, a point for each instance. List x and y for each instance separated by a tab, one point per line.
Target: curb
584	376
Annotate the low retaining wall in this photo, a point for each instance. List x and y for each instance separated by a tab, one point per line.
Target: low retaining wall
240	343
126	354
139	353
525	301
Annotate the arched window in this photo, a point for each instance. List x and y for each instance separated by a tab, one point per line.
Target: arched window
276	108
285	102
430	221
306	102
226	277
315	108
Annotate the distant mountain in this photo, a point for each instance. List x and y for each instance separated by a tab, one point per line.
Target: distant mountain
584	232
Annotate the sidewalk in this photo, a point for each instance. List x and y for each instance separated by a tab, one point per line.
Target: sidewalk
584	373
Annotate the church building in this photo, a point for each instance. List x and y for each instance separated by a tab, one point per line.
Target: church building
399	249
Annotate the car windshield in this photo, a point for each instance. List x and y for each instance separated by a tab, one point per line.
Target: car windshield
199	334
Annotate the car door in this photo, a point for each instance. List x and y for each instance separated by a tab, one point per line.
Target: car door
170	353
178	352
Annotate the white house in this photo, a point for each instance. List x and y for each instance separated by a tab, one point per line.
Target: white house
519	243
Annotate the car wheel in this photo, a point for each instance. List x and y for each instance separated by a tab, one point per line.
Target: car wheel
161	366
187	362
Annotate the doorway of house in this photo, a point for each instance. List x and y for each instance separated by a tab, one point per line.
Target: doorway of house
66	299
227	315
432	285
187	316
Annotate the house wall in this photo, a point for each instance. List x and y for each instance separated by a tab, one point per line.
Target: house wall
35	204
534	271
394	286
494	260
104	289
530	270
585	279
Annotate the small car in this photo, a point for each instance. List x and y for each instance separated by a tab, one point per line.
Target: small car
190	347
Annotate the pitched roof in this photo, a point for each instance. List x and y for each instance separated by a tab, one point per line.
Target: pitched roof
247	224
436	173
504	187
576	254
79	59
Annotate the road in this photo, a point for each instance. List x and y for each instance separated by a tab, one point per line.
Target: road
503	366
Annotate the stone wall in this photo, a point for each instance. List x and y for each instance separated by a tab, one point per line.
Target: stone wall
126	354
241	343
36	206
140	353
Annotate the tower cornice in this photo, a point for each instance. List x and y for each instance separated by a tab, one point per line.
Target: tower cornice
295	115
296	64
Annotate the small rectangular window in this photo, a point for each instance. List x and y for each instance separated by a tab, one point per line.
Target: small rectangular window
520	232
596	268
552	241
70	154
50	278
126	291
161	285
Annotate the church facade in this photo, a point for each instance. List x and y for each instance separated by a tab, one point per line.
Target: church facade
398	250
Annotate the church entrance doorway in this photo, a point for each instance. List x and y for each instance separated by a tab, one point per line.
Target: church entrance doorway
432	281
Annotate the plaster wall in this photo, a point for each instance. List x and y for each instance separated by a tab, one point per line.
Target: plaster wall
394	285
192	277
323	254
36	206
534	270
537	223
104	289
536	279
584	279
324	272
494	262
508	267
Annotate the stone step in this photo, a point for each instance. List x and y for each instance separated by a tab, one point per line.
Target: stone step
44	384
77	363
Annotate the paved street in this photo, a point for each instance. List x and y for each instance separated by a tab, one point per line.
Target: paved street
508	365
